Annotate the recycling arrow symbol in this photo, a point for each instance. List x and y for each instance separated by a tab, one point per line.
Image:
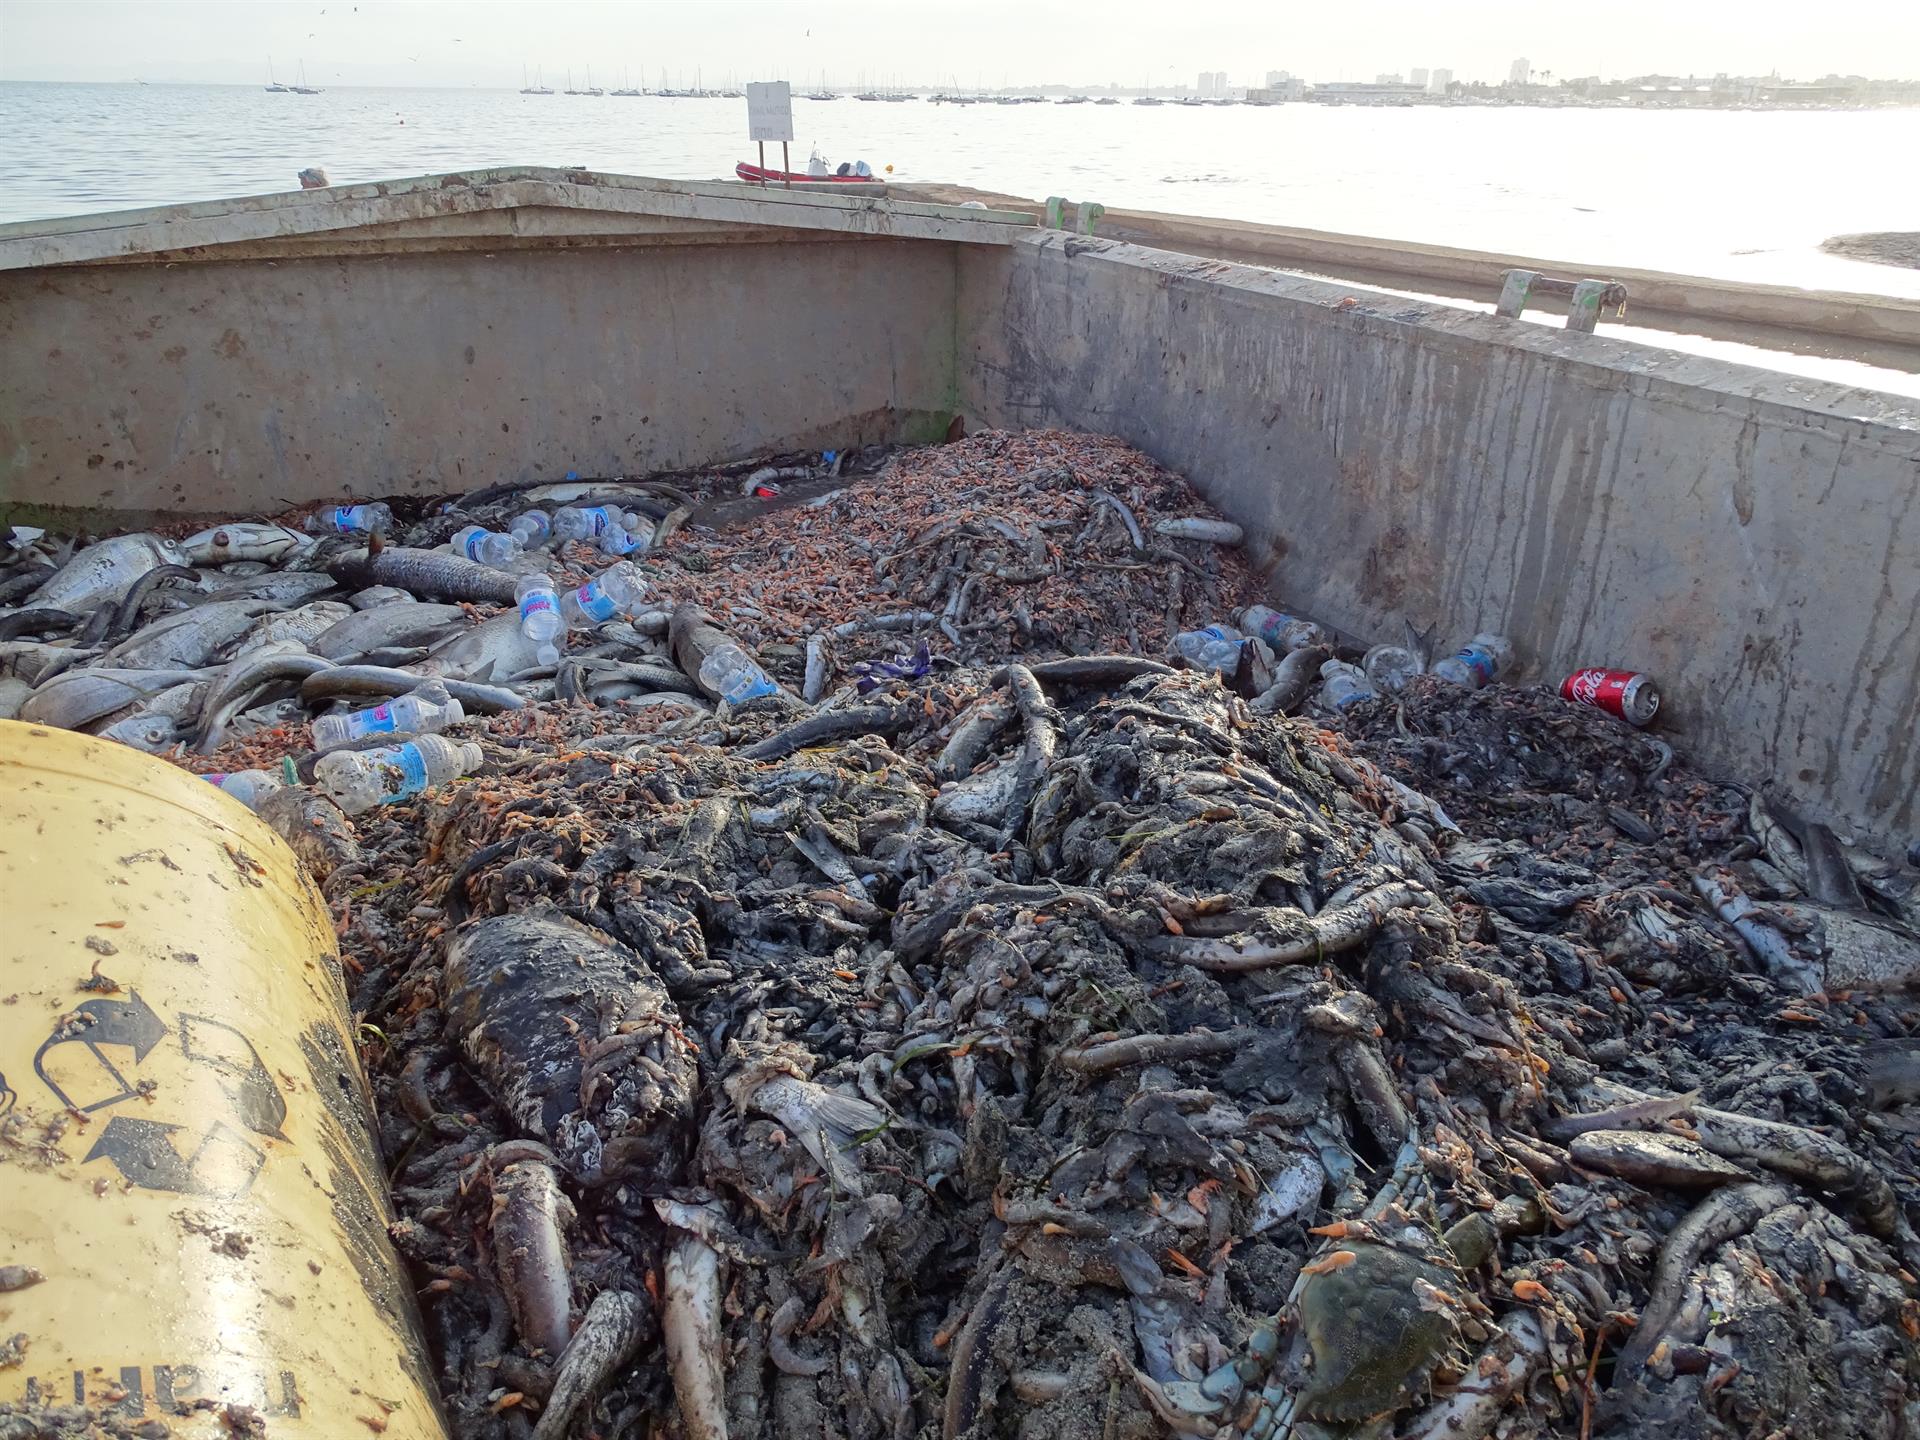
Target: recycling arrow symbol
124	1022
143	1152
130	1022
223	1161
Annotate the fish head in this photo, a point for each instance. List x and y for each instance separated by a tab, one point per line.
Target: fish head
243	540
165	551
144	730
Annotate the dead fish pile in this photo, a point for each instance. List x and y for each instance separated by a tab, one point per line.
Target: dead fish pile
1043	541
1024	1046
171	646
1076	1053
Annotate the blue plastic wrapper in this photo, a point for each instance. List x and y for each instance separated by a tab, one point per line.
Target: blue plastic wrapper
874	673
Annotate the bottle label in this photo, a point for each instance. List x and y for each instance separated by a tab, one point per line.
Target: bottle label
594	602
346	517
535	602
406	773
1272	625
377	721
473	544
1479	661
598	519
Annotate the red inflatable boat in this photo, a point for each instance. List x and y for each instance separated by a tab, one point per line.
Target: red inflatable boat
760	175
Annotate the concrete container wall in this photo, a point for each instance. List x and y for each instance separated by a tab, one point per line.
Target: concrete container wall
1752	540
227	387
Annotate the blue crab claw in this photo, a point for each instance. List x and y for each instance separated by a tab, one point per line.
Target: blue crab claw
1408	1171
1229	1382
1182	1405
1274	1419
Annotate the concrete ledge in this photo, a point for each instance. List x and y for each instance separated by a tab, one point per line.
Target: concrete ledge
1447	270
361	212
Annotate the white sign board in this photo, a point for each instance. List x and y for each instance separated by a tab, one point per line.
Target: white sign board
770	111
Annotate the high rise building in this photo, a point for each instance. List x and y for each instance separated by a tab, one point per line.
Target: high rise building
1518	72
1440	81
1277	78
1418	76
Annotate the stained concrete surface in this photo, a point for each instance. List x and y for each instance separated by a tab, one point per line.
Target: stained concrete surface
1753	541
229	387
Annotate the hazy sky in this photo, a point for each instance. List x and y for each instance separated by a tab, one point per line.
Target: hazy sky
991	42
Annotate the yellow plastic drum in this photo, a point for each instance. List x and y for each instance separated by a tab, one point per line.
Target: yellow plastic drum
192	1216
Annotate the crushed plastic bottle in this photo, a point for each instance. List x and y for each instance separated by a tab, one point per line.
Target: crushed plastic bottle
1345	684
249	787
733	675
1389	667
631	534
375	519
359	780
540	619
617	590
590	522
489	547
1216	647
1282	632
533	529
420	711
1478	661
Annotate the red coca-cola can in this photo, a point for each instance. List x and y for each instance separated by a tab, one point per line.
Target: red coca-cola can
1626	693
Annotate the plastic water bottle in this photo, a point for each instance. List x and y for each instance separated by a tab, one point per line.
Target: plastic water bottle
489	547
571	523
732	674
1390	667
1281	632
358	780
345	519
625	537
249	787
617	590
1217	647
1344	684
419	712
533	529
540	618
590	522
1482	658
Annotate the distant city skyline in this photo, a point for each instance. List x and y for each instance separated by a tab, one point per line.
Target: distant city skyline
872	43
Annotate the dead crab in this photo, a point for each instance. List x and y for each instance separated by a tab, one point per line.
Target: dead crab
1373	1316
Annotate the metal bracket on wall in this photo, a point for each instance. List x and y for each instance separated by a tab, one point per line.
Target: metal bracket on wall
1585	298
1084	214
